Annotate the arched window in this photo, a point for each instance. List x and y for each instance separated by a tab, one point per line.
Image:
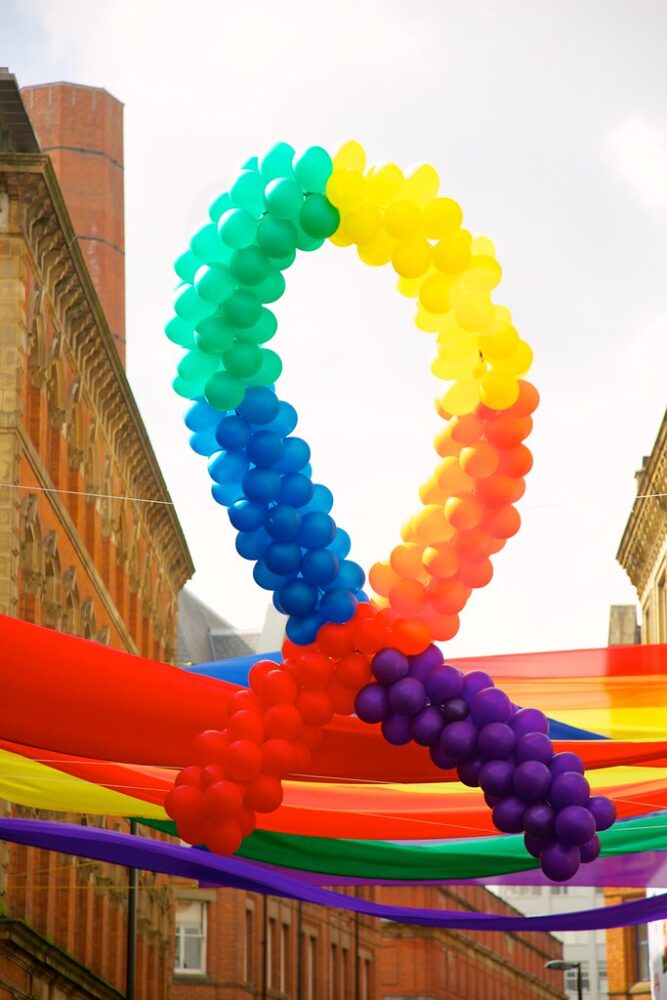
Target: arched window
107	505
88	626
37	363
74	452
57	411
53	602
70	622
91	483
31	560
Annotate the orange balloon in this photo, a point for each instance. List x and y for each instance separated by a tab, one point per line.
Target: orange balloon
476	573
353	671
443	627
431	525
527	402
445	445
499	490
464	512
467	428
503	523
516	462
448	596
441	561
479	460
382	578
473	544
407	597
507	430
451	478
410	636
432	493
406	560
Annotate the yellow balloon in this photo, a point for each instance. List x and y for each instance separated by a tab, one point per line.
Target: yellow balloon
422	183
384	183
462	397
402	219
482	245
452	254
456	345
412	257
409	287
378	252
441	217
496	346
346	188
434	293
482	274
364	223
499	391
352	155
518	362
458	368
427	321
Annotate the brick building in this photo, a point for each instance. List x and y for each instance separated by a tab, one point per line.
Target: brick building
75	554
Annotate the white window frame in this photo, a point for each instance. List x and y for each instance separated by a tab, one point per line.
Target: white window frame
180	941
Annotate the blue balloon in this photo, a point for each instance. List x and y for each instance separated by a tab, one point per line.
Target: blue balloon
283	557
283	523
322	499
296	489
265	448
362	597
307	471
319	567
233	433
338	605
297	597
262	485
303	631
295	455
226	494
252	544
317	530
350	575
246	515
341	544
265	578
200	415
276	603
228	467
260	405
204	442
285	421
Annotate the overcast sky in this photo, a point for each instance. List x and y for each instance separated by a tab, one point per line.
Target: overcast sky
547	122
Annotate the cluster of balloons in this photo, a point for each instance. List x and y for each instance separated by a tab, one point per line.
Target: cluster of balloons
233	270
470	725
262	474
468	514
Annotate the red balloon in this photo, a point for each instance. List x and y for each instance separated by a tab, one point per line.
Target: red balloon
278	687
516	462
410	635
192	831
209	747
184	802
354	671
316	707
476	572
499	490
211	774
528	400
312	736
503	523
336	640
242	701
313	670
264	793
246	820
258	672
303	757
243	760
277	757
370	634
223	838
189	776
291	651
222	801
283	721
507	431
448	596
245	725
342	698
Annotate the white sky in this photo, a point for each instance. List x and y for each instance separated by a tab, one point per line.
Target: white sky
546	120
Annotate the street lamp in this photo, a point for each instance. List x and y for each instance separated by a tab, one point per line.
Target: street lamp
561	965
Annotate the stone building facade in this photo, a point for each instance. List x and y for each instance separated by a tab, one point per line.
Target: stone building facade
82	547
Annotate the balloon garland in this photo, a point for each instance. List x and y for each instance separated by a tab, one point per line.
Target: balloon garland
343	652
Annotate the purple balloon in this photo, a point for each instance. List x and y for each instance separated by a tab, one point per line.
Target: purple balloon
372	703
496	741
441	758
539	820
535	845
427	726
559	862
562	762
407	696
533	746
455	710
575	826
396	730
422	664
459	740
603	810
473	682
508	814
491	800
532	780
444	683
591	849
569	789
490	705
389	665
469	770
529	720
496	777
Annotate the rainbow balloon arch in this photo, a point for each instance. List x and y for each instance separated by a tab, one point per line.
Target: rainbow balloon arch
357	755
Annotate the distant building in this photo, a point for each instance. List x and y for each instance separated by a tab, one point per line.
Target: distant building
204	635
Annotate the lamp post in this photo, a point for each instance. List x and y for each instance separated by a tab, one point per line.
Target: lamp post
562	965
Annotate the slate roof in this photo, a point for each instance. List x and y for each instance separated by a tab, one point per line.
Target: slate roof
204	635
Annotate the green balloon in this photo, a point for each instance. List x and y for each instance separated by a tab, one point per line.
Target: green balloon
206	245
223	391
276	237
197	365
214	283
186	266
247	192
277	162
282	263
269	370
243	359
189	306
186	388
263	329
283	198
313	168
271	289
213	335
250	266
252	163
221	204
306	242
318	217
242	309
180	332
237	228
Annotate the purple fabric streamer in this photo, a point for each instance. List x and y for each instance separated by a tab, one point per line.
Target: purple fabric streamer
188	862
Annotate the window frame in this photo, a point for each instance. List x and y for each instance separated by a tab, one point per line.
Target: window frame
181	937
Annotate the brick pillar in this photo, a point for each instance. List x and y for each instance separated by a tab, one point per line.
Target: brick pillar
81	128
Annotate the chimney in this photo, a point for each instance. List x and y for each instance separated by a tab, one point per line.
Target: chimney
81	128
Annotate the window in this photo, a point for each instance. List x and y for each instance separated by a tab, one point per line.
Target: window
571	979
249	952
603	984
646	631
662	610
190	937
334	975
270	947
641	952
312	986
365	970
284	980
344	974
